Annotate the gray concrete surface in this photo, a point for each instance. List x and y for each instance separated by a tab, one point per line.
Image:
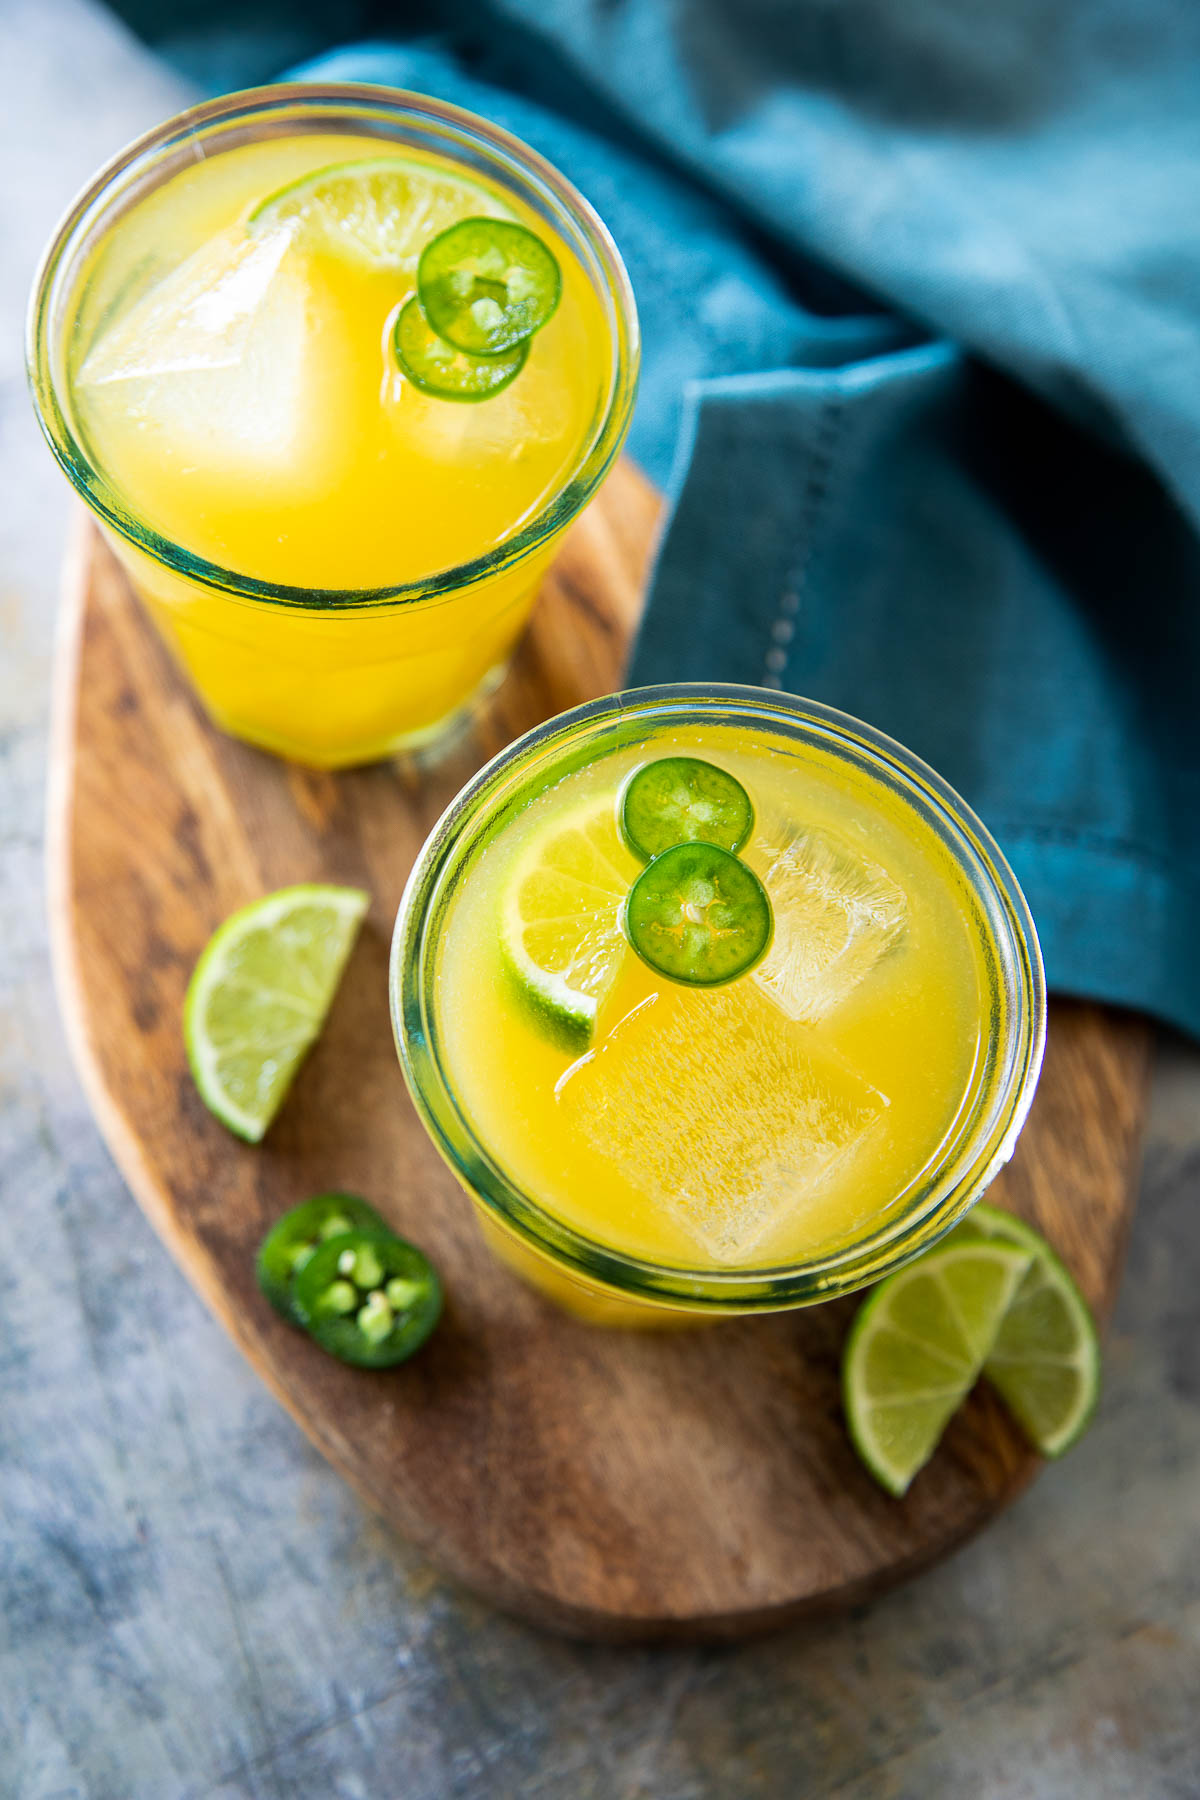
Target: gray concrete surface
193	1607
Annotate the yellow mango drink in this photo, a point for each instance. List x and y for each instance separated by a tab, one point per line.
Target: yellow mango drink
334	367
715	1001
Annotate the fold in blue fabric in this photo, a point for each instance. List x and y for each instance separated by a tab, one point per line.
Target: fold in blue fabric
920	289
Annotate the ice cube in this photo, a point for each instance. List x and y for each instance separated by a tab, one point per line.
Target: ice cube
836	916
200	316
724	1113
211	357
510	425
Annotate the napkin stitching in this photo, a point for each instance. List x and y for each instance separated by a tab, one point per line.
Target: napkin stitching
817	489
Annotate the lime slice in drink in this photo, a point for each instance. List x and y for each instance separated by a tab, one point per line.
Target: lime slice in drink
382	210
1045	1361
259	995
561	919
916	1350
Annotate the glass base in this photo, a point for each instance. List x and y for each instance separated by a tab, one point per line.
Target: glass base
428	744
592	1305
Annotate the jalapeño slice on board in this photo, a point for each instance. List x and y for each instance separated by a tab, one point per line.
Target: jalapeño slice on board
679	800
368	1298
698	915
293	1239
437	368
486	286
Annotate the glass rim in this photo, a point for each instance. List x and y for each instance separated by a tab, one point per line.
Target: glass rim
454	124
945	1190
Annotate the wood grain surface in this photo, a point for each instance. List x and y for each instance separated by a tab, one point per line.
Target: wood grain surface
606	1484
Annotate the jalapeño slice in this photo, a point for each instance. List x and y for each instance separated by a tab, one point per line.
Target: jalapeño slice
698	915
368	1298
486	286
437	368
680	800
293	1239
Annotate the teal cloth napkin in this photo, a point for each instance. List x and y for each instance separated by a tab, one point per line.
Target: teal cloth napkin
920	287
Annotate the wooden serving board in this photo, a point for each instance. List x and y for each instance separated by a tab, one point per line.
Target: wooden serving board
603	1483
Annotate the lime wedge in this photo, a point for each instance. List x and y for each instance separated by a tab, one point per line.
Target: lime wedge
560	929
381	211
1045	1361
916	1350
259	995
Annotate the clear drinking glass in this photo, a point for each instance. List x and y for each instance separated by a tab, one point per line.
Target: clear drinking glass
595	1279
329	676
